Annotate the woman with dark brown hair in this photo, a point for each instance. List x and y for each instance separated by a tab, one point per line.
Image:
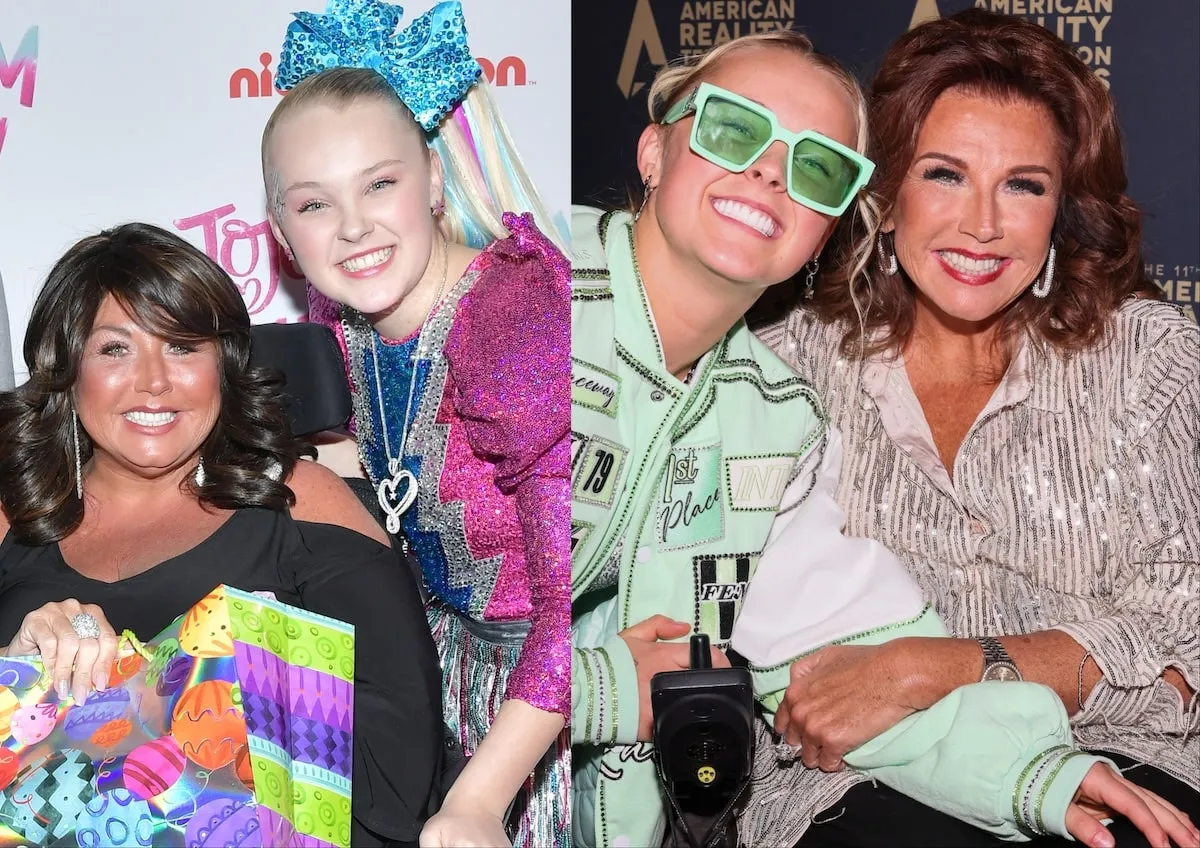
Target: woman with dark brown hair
146	461
1021	416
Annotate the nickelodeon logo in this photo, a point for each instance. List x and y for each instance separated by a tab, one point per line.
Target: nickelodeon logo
508	71
260	82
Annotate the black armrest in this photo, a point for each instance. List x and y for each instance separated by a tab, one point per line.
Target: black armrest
314	374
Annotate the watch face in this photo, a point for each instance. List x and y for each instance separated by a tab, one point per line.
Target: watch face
1002	671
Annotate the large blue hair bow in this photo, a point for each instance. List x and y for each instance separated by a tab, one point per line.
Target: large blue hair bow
428	64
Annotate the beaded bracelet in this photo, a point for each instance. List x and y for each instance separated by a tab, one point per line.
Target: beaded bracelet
1027	800
594	704
616	714
1016	796
1079	690
1062	761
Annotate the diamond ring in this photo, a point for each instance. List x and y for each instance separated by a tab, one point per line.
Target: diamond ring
785	752
85	625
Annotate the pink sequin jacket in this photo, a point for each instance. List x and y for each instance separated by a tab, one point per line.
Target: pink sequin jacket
493	424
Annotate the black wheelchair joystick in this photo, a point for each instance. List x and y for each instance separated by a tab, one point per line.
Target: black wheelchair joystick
704	747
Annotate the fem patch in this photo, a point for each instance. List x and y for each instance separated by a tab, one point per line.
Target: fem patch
721	581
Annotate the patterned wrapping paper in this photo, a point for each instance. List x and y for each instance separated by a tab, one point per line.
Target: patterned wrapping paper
234	727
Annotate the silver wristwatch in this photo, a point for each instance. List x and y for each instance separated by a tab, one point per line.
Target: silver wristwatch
997	664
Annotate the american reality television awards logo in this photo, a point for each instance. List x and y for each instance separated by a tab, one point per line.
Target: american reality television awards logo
260	81
704	24
18	74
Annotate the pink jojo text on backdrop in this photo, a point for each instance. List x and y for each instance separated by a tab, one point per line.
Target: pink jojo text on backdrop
247	252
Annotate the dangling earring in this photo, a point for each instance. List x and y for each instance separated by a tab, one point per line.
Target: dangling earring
886	258
646	189
1041	288
810	283
78	463
287	251
200	478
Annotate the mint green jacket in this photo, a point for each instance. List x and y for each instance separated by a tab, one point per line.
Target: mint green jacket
675	493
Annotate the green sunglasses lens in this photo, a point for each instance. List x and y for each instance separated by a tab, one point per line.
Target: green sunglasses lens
734	135
822	174
732	132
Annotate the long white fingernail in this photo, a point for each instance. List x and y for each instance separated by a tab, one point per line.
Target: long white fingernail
64	690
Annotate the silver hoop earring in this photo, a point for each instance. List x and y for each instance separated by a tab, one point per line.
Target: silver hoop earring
1041	288
200	477
646	189
810	283
886	259
78	462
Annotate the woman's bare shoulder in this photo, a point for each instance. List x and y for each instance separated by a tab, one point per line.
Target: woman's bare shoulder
323	497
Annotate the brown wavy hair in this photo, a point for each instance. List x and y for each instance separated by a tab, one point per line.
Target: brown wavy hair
173	290
1097	228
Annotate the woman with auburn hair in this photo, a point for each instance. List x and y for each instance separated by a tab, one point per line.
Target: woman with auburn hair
1022	417
702	464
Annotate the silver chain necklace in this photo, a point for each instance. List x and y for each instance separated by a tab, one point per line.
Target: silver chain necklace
398	490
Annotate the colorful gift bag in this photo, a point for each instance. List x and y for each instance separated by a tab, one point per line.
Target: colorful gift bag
234	727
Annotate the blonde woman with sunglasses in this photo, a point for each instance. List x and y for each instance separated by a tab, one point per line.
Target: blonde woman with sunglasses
693	446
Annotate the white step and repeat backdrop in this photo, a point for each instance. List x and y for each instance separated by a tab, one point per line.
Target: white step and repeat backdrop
150	110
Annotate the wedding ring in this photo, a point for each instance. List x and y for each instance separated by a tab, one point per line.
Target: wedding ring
85	625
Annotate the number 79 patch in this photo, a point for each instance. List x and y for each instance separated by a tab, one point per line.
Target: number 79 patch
598	466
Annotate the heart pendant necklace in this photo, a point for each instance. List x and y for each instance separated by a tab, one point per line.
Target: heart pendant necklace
393	499
398	488
397	491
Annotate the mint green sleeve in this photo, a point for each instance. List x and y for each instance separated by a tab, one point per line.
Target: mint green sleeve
997	755
604	695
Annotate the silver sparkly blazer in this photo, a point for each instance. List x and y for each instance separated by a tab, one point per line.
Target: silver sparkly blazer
1074	505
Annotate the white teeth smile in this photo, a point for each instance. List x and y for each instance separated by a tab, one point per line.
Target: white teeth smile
967	265
747	215
370	260
150	419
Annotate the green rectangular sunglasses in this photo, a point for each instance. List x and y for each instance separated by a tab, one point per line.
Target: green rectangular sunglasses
732	131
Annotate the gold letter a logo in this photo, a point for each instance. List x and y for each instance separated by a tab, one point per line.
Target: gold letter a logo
925	10
642	33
